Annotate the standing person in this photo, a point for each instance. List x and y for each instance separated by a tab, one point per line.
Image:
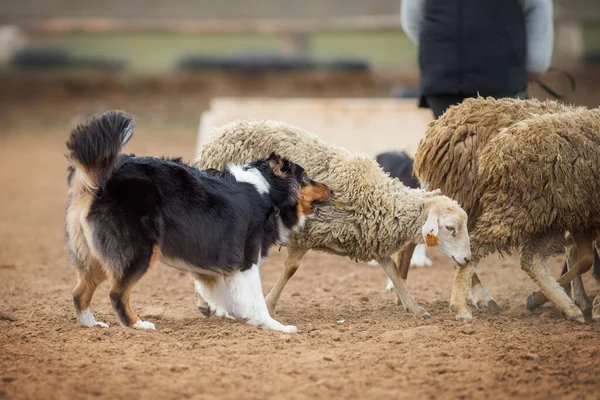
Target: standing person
471	47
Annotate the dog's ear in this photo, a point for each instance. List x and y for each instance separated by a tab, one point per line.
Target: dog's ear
276	163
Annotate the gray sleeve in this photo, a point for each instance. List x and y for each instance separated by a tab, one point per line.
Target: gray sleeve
539	27
411	15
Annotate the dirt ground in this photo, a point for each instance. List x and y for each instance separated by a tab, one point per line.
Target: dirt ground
352	340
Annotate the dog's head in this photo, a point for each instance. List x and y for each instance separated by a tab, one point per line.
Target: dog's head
293	192
309	191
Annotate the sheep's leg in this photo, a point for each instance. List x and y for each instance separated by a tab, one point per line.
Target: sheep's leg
580	256
579	295
596	269
535	266
481	297
596	308
409	303
402	261
290	266
460	290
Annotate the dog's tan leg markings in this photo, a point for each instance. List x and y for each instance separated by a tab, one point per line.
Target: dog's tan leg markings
463	279
120	294
91	274
409	303
291	264
580	258
535	266
202	304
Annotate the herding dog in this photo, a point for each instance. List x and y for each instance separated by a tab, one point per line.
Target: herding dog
126	212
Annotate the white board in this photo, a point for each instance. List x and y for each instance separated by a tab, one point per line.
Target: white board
369	126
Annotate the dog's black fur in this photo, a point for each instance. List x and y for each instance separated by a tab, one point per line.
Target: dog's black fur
398	164
206	220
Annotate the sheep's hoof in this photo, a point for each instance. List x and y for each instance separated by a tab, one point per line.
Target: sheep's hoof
535	300
462	314
493	307
426	316
583	302
205	310
577	318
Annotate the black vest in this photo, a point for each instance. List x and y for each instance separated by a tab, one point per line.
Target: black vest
470	46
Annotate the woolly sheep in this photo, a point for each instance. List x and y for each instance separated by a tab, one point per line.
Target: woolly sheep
475	123
370	216
449	155
523	186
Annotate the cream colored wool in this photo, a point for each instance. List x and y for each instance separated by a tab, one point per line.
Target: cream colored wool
370	215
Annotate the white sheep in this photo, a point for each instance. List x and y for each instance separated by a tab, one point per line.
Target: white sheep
370	216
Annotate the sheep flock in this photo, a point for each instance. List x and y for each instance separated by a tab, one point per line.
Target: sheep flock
498	176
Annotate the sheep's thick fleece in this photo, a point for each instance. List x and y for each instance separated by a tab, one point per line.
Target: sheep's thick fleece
370	216
520	168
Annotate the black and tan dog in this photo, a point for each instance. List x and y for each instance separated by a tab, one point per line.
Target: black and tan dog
126	212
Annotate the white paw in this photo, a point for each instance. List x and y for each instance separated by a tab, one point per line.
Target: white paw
289	329
144	325
86	318
222	313
373	263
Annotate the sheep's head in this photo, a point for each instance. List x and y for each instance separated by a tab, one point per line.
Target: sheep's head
446	227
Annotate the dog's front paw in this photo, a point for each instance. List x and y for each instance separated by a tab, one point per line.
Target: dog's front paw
146	325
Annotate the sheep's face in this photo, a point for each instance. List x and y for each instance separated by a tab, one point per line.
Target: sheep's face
446	227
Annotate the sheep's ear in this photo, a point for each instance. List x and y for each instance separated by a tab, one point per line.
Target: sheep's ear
430	229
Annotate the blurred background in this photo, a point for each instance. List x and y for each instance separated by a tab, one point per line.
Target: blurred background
164	61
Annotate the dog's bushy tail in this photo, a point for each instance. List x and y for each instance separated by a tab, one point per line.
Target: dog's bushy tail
94	145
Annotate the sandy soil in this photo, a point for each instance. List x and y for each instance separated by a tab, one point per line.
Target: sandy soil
353	342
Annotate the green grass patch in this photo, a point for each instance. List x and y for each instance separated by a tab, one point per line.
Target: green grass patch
156	52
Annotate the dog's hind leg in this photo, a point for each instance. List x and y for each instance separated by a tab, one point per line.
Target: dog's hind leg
120	292
91	274
213	296
249	301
